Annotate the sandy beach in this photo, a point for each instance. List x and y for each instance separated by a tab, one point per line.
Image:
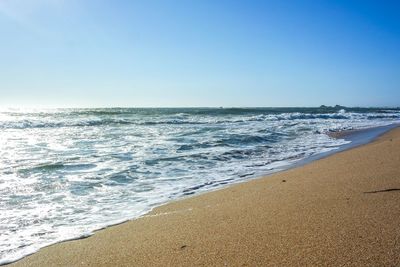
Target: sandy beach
339	211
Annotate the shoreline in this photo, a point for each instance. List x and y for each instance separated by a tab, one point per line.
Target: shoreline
356	138
154	213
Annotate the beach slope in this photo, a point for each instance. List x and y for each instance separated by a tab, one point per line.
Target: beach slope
343	210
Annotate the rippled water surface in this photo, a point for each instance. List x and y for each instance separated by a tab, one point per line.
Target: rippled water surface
65	173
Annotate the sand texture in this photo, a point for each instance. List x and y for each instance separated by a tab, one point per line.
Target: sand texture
343	210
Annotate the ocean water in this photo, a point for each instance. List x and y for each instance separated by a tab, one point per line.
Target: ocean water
67	172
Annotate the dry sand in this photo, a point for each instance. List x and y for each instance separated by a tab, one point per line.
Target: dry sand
343	210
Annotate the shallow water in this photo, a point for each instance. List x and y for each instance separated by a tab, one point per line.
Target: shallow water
67	172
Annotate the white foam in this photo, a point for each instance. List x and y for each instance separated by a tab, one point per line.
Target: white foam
65	181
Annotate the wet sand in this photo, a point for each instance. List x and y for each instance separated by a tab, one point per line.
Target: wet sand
343	210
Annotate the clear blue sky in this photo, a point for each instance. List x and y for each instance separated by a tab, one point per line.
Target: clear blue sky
95	53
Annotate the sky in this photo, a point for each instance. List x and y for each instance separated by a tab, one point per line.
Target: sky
98	53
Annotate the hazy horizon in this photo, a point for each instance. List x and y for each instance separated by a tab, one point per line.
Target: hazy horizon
194	107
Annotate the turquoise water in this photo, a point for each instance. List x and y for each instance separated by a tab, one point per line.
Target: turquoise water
67	172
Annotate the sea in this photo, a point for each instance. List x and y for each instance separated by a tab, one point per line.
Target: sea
65	173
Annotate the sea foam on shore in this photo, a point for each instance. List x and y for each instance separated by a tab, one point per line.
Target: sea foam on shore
65	173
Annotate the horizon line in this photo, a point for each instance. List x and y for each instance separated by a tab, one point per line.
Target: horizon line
200	107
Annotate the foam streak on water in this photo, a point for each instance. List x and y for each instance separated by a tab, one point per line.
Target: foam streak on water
66	173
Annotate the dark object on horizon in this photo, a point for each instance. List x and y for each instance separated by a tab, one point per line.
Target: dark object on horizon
336	106
339	106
